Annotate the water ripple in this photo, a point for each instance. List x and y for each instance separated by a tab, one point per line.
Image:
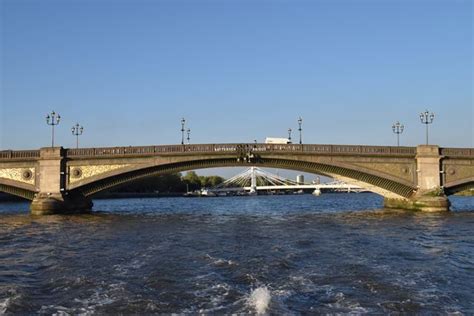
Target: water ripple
334	254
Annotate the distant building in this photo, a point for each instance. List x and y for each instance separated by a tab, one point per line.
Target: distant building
300	179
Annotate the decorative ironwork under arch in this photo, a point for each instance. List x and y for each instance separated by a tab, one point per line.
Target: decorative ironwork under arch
390	185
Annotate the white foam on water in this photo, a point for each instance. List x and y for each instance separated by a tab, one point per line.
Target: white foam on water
125	268
211	297
58	310
101	296
351	307
259	299
4	305
220	262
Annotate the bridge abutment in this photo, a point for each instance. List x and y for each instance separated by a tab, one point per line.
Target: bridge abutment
60	204
52	197
420	203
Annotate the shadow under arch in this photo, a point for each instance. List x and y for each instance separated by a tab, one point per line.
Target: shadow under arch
25	191
387	186
459	187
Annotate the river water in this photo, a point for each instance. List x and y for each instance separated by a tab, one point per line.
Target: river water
336	253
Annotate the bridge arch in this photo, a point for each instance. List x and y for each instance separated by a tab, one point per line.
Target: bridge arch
382	184
459	186
17	188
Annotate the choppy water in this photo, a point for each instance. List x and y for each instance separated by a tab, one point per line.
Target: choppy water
337	253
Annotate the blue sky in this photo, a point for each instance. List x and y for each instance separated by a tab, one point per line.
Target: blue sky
236	70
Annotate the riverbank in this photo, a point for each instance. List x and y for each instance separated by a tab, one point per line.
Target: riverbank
466	193
131	195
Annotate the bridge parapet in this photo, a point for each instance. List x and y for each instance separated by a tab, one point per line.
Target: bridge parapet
236	148
457	152
19	154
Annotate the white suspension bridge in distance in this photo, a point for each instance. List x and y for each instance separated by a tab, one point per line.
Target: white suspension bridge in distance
255	179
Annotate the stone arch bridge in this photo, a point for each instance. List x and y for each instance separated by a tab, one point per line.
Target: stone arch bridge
60	180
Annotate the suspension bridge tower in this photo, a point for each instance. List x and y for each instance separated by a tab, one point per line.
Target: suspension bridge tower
253	180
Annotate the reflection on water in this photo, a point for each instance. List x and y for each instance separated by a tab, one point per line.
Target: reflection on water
337	253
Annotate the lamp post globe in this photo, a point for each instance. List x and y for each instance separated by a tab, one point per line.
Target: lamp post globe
397	128
183	121
53	119
300	122
427	118
77	131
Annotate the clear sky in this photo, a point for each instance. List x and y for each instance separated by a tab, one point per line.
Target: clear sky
128	70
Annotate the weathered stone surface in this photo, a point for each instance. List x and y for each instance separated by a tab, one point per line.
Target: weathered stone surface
25	175
78	173
424	203
427	159
45	204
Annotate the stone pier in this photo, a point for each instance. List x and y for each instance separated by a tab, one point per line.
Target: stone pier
430	196
52	198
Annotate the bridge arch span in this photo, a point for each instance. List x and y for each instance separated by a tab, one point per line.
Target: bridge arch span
459	186
16	188
372	180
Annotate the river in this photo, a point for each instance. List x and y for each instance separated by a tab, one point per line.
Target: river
336	253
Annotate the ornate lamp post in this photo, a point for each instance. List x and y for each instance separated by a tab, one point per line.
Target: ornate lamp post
397	128
188	131
427	118
53	119
300	121
182	130
77	131
289	135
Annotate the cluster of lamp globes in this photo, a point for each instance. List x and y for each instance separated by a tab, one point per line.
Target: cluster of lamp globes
300	121
188	132
54	118
425	117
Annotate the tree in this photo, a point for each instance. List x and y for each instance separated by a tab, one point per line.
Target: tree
192	180
170	183
215	180
163	183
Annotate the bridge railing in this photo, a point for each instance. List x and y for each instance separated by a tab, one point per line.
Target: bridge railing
111	151
237	148
331	149
457	152
19	154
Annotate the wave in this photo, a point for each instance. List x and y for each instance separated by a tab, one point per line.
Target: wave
259	299
220	262
4	305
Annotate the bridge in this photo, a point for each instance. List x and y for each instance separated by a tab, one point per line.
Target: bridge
59	180
255	179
